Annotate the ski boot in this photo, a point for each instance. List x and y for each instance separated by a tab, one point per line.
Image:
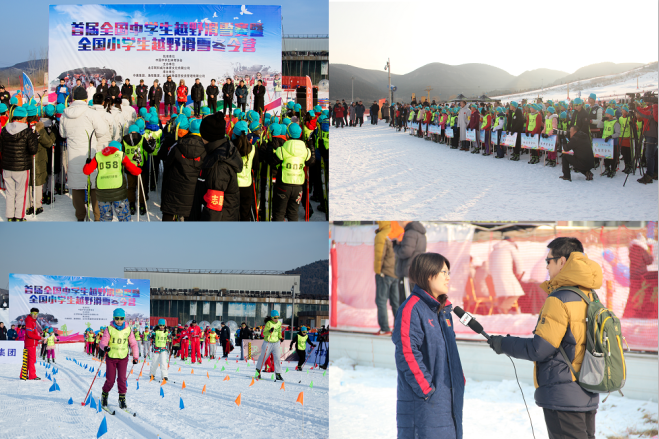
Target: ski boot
165	379
29	211
46	199
278	377
54	362
612	173
142	210
122	401
132	208
104	399
515	158
39	210
258	377
645	179
589	175
49	361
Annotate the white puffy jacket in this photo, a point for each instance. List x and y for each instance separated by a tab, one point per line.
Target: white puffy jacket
76	125
120	124
109	120
129	112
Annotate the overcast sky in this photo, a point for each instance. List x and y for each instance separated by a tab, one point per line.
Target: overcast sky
558	34
103	250
299	17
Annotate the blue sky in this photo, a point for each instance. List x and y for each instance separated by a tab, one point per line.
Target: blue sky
103	250
298	17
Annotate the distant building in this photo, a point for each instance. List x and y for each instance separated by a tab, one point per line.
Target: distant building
305	55
238	295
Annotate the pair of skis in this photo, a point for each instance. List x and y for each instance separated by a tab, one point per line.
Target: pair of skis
112	412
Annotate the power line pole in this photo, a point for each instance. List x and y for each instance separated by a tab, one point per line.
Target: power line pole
388	67
352	95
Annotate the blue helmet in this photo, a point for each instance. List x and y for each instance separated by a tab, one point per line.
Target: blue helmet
119	312
162	322
274	313
303	329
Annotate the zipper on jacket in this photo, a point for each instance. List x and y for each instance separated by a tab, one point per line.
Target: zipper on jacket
624	372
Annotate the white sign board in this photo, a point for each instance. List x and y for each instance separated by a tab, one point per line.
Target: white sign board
11	352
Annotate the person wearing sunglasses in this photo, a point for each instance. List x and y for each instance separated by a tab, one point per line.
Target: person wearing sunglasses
561	329
117	343
31	341
160	337
300	340
272	335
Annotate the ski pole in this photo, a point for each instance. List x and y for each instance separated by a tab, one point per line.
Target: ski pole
308	356
34	186
52	177
95	375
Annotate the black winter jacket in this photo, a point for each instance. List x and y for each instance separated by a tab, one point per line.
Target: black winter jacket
227	89
104	90
516	121
18	144
218	173
127	92
241	94
413	243
141	92
259	96
113	92
197	92
583	151
580	119
155	95
182	167
169	87
213	91
225	334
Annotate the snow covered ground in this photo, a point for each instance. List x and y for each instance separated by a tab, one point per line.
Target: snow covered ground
29	410
63	209
381	173
363	405
634	81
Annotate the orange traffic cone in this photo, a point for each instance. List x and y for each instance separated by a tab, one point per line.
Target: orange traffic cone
208	376
238	399
226	378
203	390
179	369
151	378
192	371
163	382
282	386
183	386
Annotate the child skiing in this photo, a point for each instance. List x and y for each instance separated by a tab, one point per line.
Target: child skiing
50	345
117	342
161	359
272	335
300	340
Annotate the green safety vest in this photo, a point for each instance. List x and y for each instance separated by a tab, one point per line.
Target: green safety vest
532	120
324	136
607	129
110	172
273	336
302	342
51	340
549	126
161	338
293	153
278	85
639	126
130	150
137	336
90	337
484	122
118	342
624	127
245	176
211	336
157	136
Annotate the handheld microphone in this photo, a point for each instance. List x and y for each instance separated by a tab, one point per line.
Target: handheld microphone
469	320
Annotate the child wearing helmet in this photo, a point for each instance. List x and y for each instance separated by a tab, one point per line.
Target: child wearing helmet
161	357
272	336
50	345
117	344
300	341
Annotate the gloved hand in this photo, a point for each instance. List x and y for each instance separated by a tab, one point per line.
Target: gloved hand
88	161
606	139
135	360
106	349
544	135
272	329
495	343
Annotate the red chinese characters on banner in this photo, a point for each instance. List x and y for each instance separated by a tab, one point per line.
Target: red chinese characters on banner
309	94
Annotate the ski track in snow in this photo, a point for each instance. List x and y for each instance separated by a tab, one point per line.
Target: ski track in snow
363	405
381	173
29	410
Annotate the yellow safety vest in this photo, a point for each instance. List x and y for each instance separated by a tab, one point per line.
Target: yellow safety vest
90	336
549	126
484	122
212	336
293	153
51	340
130	150
245	176
137	336
273	336
607	129
118	342
302	342
532	120
624	127
161	339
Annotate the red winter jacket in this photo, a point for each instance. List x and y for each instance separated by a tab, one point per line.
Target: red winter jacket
538	124
648	112
312	123
108	150
32	332
474	120
194	332
182	93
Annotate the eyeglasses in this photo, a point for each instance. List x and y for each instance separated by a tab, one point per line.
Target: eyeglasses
304	333
275	317
118	318
446	272
549	259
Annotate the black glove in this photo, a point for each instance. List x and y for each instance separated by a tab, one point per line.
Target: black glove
544	135
88	161
135	360
495	343
272	329
606	139
106	349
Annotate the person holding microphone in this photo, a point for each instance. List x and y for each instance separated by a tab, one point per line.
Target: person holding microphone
430	378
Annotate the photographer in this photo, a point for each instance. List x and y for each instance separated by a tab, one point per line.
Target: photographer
580	117
649	116
582	160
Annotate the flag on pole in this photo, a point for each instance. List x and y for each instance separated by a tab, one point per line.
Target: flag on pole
203	390
162	394
28	89
300	398
102	429
183	386
252	383
180	404
238	399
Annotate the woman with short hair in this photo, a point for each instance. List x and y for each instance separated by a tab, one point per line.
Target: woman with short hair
430	378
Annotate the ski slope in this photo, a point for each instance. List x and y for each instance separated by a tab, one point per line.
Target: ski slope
363	405
379	173
29	410
63	209
605	87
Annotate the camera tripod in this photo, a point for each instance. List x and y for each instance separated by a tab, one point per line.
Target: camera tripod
636	145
